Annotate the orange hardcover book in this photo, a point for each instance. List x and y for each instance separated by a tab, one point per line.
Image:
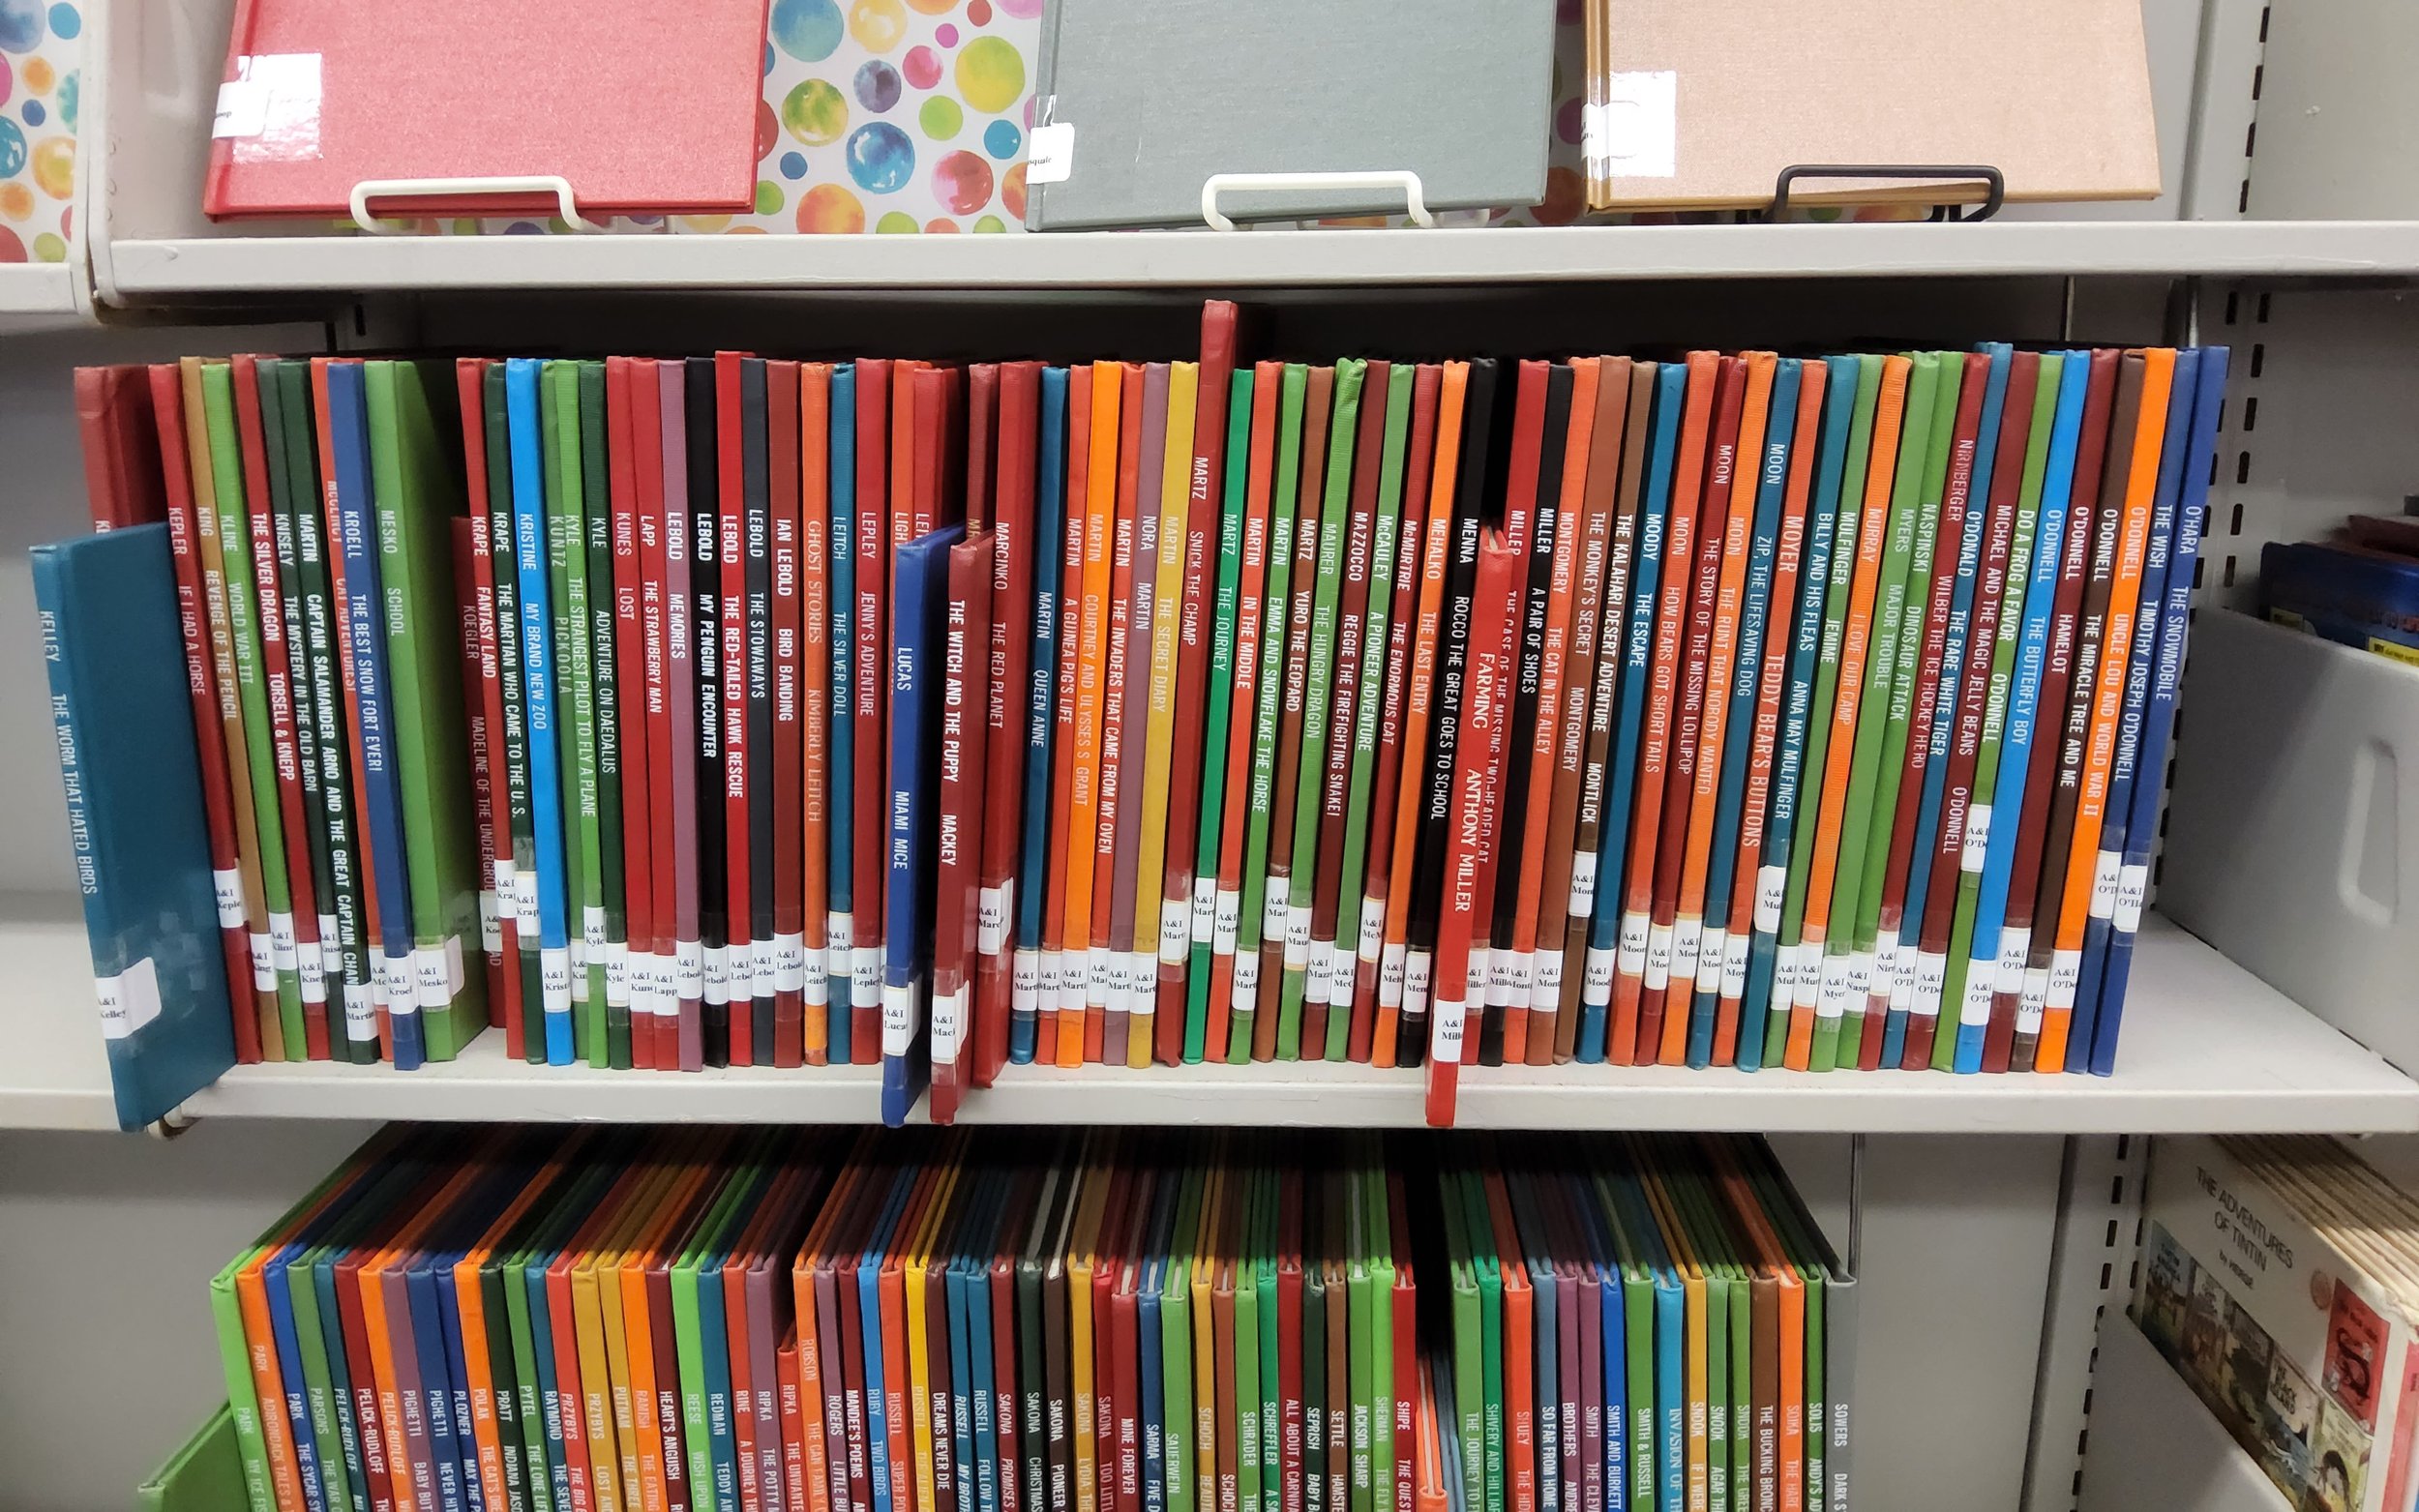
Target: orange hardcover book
1104	977
1060	957
1419	703
1840	751
2116	641
471	1303
1080	835
1713	729
1637	892
1520	1404
1529	1023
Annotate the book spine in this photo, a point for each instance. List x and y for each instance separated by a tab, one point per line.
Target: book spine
960	822
1300	590
632	687
1037	896
1157	933
1010	655
1104	1026
609	965
738	442
810	625
487	473
756	686
870	667
680	934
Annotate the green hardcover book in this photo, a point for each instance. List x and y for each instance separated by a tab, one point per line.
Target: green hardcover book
1248	1255
1252	911
1852	449
418	495
567	572
1809	1258
227	471
1214	740
517	879
1728	1325
292	492
352	964
708	1241
205	1475
1336	506
1469	1341
1350	927
1380	1251
1872	715
1904	674
609	977
1316	1213
1489	1263
1355	1258
542	1445
2002	645
1267	1260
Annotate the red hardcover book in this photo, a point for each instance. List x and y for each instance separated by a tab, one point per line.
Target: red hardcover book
504	999
1573	828
312	89
1893	975
869	669
1104	1024
1624	1045
338	597
475	585
788	942
1007	1406
295	938
210	738
1289	1336
794	1427
1555	748
1360	1043
123	480
1251	588
911	492
629	651
1352	618
982	403
1177	900
737	974
1788	560
1966	737
653	957
964	732
1057	954
1702	577
1304	584
1470	854
817	708
1404	1300
2051	711
1010	655
677	812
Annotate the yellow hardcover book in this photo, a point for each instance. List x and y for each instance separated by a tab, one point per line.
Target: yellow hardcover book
472	1302
625	1327
1690	1267
918	1254
1080	968
1176	489
598	1380
1082	1256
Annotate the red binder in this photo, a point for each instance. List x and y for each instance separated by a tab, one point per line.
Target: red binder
321	95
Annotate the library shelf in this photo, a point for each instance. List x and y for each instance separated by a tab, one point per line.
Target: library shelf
54	1073
37	296
2208	1048
165	267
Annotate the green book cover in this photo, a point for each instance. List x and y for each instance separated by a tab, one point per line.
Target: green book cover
418	495
1216	713
1489	1267
1265	1264
609	978
1379	1248
503	1372
1177	1443
1905	671
567	569
1469	1343
351	966
1246	1369
1334	508
1793	964
292	491
1728	1336
706	1241
1251	915
226	472
1637	1309
1872	712
1811	1259
1316	1248
1359	932
311	1344
516	885
513	1274
207	1474
2003	638
1358	1371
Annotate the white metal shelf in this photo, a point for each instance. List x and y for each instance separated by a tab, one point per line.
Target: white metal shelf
39	296
53	1072
2208	1048
238	265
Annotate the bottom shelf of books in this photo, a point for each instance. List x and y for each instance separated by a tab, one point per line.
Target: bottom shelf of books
2208	1048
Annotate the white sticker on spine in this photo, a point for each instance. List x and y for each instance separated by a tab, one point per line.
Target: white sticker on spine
789	962
1228	924
2132	884
1175	930
1976	837
228	888
616	974
2104	884
1582	883
1771	883
991	921
128	1000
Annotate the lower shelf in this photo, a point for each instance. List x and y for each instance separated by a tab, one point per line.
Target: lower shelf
2208	1048
2153	1444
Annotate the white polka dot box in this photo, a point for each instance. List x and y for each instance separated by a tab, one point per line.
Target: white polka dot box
41	48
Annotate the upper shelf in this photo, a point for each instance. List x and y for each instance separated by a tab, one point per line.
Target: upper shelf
141	268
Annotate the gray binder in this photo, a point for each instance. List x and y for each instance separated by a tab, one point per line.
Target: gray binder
1138	101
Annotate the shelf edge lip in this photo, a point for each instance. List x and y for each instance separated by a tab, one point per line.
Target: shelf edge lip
1107	260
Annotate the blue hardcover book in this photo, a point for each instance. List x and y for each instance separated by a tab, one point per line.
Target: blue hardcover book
311	1458
2355	596
960	1424
1151	1344
426	1324
537	672
1721	951
840	812
919	598
381	799
1904	989
322	1282
988	1405
550	1395
2141	824
1602	1271
2140	663
1636	649
1447	1439
714	1334
1545	1342
1670	1419
1797	715
1041	719
868	1281
1999	823
458	1374
115	655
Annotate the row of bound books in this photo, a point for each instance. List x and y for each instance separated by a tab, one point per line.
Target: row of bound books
1742	710
802	1321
